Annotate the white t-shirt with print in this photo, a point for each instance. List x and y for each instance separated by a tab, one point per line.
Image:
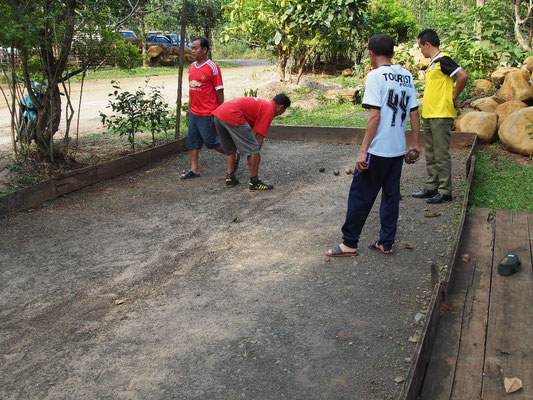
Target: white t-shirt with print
390	89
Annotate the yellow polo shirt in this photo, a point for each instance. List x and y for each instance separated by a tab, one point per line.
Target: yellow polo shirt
438	95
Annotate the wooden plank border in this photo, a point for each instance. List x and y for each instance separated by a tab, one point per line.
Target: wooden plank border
415	376
470	168
51	189
417	371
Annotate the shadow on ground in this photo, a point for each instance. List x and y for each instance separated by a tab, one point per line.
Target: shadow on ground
225	294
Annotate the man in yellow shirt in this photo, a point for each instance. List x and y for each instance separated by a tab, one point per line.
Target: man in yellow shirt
438	111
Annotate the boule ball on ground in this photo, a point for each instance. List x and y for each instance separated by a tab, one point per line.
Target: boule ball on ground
146	285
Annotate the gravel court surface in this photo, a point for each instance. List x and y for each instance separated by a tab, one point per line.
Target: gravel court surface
224	294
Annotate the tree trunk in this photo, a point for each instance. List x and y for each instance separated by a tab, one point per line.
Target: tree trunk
525	44
282	65
143	40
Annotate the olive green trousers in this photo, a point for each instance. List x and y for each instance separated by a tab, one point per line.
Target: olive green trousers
438	159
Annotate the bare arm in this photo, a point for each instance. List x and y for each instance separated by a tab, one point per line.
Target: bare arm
370	133
460	83
220	96
415	127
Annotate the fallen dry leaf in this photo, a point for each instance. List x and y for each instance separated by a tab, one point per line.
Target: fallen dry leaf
326	259
465	257
512	384
399	379
432	214
408	246
120	301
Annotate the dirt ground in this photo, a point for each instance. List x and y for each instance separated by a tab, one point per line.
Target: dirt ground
95	95
146	286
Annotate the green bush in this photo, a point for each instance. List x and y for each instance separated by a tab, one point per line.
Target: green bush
497	45
235	50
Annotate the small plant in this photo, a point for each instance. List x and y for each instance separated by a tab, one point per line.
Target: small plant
250	93
139	111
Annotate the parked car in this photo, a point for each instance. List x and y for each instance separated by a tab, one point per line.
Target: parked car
176	37
152	40
127	34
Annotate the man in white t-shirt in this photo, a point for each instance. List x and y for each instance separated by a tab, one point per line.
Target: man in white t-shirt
390	97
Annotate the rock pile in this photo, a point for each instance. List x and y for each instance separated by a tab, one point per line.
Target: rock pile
505	112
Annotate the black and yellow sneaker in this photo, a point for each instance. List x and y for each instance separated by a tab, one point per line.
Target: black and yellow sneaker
231	180
257	184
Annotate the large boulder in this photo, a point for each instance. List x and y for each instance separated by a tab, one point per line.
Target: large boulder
487	104
528	63
421	61
500	73
485	124
460	116
504	110
482	87
344	94
516	86
515	132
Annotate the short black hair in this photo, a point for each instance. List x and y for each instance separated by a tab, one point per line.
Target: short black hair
203	42
282	99
381	45
429	35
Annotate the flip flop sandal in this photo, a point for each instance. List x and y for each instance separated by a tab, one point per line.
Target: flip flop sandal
189	174
337	252
374	246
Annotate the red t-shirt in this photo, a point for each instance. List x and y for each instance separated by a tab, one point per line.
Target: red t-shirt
257	112
204	81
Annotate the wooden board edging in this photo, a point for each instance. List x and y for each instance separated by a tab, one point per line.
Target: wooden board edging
415	376
51	189
417	371
350	135
471	165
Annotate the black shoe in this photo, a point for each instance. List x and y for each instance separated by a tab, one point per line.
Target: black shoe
231	180
439	198
424	194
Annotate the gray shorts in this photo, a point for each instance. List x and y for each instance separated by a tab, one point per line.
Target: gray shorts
240	137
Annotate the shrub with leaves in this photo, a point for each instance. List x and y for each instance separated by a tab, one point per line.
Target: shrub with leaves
480	39
136	112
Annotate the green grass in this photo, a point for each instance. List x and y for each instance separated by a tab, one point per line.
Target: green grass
345	81
328	114
501	184
116	73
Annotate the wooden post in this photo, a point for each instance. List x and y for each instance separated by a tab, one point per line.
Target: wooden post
180	68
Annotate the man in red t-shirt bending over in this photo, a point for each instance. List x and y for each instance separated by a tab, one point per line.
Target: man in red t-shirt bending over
242	125
206	92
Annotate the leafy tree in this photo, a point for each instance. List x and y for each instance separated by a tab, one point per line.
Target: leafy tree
292	27
481	38
43	32
523	23
388	16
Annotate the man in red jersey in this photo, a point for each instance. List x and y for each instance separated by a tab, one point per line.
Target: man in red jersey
242	125
206	92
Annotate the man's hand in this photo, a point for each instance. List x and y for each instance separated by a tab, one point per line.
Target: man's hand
361	161
417	149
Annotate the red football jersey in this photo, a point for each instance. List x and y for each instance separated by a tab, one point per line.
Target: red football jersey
257	112
204	81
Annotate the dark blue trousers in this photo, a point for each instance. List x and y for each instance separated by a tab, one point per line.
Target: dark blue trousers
383	173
